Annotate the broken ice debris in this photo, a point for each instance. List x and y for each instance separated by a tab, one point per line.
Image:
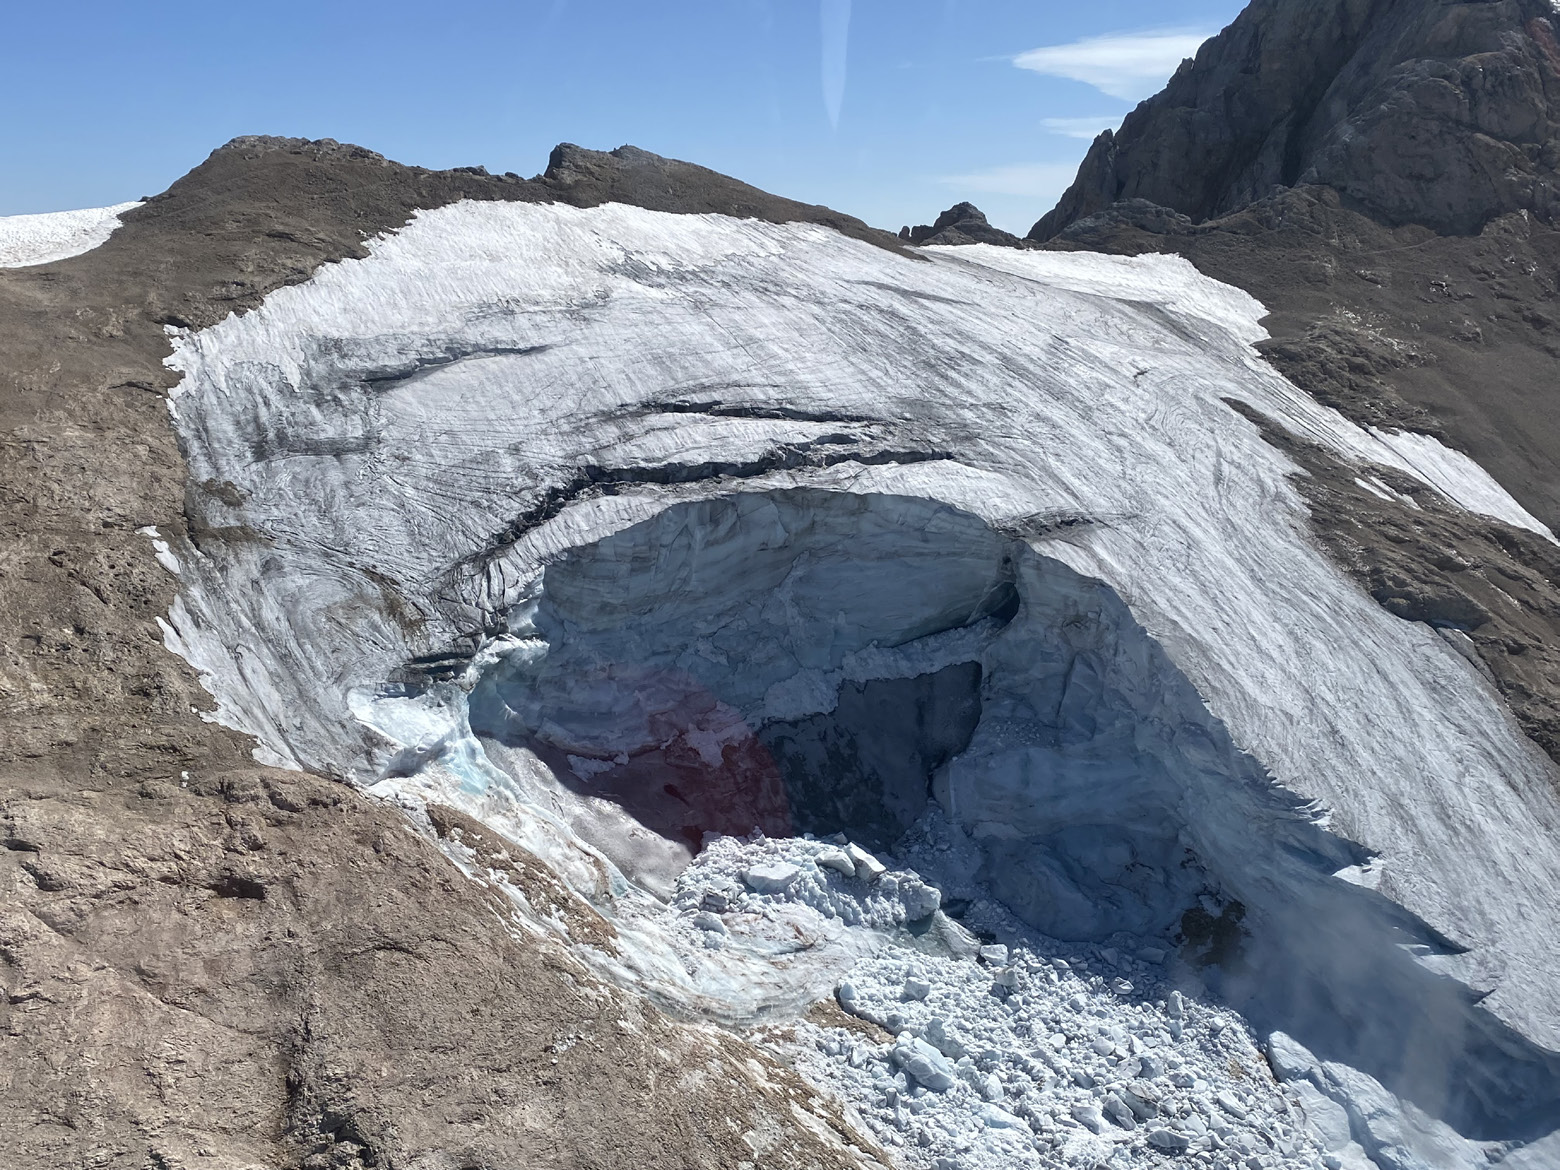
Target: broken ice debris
868	868
1289	1059
997	1118
919	899
936	1034
837	860
916	987
704	920
1089	1116
1169	1141
1116	1109
1230	1105
1141	1098
772	877
923	1062
845	993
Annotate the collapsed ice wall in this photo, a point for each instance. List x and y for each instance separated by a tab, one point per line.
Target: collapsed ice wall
447	463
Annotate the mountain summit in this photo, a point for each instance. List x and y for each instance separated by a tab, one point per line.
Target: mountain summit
1445	114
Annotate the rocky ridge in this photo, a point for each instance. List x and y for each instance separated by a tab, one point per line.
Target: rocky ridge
1439	114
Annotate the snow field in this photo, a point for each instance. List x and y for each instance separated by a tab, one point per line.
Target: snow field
56	235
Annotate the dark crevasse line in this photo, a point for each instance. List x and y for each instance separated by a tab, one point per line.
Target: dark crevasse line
592	480
715	408
401	374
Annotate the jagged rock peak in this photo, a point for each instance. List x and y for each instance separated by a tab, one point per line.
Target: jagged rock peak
963	223
1444	113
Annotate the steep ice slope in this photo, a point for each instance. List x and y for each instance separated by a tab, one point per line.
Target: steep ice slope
56	235
446	465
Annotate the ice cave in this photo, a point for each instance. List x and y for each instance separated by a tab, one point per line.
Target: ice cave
820	662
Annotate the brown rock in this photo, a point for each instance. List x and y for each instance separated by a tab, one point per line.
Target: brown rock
207	963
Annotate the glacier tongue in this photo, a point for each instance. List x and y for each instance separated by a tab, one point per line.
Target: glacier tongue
533	494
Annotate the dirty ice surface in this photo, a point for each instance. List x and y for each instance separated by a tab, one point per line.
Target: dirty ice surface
56	235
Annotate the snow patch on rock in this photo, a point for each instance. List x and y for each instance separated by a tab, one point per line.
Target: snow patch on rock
426	437
56	235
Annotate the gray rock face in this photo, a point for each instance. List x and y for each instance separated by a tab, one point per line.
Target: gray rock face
1441	114
963	223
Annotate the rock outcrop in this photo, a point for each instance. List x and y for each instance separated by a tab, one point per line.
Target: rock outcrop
1441	114
963	223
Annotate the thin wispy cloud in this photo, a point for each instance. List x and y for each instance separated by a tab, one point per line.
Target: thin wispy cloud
834	25
1039	180
1129	66
1086	128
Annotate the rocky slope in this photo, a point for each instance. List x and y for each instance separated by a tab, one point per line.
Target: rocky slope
211	963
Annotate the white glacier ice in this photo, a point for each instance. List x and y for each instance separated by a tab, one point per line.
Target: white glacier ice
56	235
615	528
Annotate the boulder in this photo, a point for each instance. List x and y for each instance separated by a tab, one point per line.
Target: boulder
963	223
772	877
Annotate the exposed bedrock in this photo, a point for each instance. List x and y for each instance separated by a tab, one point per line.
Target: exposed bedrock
814	661
1439	113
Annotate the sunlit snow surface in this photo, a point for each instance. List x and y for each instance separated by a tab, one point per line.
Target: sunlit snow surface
373	435
56	235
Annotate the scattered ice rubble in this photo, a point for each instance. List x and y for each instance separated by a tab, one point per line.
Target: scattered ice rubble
1035	1053
966	1054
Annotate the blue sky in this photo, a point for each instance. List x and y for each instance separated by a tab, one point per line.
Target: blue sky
887	109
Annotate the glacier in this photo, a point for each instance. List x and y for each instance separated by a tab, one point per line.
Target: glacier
630	533
56	235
